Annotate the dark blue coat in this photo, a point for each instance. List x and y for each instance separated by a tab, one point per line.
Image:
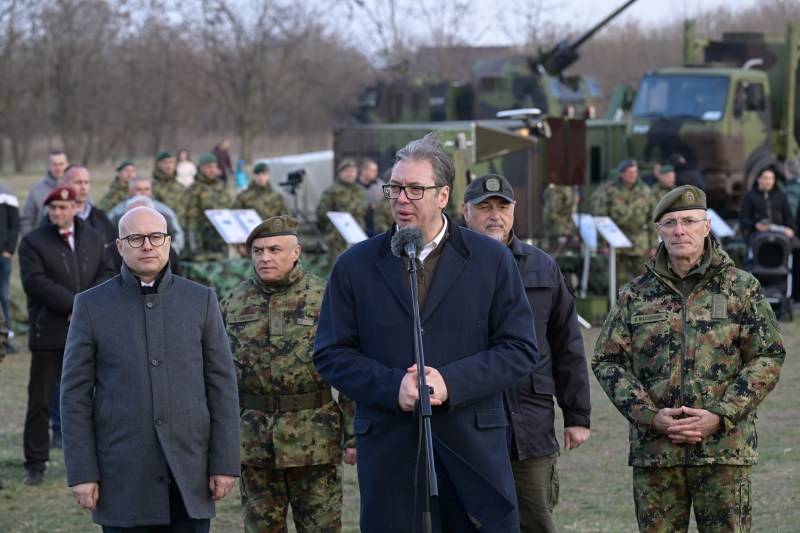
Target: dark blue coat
478	332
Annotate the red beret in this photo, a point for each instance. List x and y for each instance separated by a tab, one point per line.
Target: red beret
63	192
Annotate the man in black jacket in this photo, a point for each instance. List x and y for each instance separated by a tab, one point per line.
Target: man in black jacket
57	260
9	235
561	370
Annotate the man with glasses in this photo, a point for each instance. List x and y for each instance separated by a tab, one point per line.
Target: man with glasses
149	404
686	355
56	261
478	339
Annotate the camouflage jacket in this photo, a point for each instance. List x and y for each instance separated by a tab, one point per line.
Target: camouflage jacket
264	200
167	190
659	190
117	192
559	204
340	196
719	348
632	210
203	242
271	327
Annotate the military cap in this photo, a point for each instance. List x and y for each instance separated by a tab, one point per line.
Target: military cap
680	199
667	168
125	163
63	192
273	226
261	167
164	154
625	164
346	163
487	186
206	158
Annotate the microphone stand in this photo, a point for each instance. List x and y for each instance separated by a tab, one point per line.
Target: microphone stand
431	485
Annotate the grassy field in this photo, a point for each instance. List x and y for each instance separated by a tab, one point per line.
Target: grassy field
595	479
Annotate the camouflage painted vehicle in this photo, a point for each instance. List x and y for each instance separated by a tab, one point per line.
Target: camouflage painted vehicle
495	81
728	115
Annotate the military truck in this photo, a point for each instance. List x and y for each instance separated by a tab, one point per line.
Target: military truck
728	115
496	83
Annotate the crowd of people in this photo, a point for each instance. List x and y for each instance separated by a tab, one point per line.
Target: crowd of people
163	397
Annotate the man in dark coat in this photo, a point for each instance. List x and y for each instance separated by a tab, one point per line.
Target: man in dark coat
478	339
56	260
149	401
561	370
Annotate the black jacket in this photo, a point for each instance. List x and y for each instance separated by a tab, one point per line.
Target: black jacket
757	206
52	275
561	369
9	220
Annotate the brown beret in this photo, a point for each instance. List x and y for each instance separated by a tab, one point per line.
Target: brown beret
680	199
273	226
63	192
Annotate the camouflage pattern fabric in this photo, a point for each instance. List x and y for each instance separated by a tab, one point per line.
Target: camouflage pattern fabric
271	328
314	492
222	276
264	200
379	210
117	192
659	190
167	190
559	203
203	243
340	196
717	346
720	495
632	211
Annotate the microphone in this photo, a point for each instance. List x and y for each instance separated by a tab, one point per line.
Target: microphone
408	242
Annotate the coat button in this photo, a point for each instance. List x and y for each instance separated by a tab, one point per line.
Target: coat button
159	421
154	362
422	331
150	305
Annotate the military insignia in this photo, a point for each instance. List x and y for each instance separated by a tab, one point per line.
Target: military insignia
719	307
689	198
277	223
305	321
492	185
64	194
645	319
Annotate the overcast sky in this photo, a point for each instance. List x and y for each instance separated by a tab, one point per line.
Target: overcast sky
585	13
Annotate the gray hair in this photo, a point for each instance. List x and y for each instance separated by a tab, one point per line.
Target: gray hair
137	179
791	167
140	199
430	149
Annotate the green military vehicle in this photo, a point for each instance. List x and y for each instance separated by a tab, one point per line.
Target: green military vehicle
728	115
496	83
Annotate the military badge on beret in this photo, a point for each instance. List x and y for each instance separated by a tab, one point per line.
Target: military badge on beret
64	194
689	198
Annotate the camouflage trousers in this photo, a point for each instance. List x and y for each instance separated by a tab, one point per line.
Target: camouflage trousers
314	492
720	495
536	480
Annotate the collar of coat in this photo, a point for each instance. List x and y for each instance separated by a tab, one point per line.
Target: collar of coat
454	239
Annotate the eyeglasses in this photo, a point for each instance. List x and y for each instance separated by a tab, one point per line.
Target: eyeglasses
413	192
687	223
137	241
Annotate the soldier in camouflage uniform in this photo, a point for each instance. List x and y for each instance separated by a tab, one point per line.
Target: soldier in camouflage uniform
118	190
203	242
629	203
292	431
166	188
379	211
665	181
344	195
260	196
559	203
686	355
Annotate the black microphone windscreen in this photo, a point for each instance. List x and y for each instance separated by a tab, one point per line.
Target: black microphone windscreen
403	236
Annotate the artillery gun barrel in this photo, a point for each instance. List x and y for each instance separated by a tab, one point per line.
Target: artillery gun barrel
588	35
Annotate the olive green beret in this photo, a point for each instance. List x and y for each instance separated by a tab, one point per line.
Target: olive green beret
164	154
680	199
206	158
273	226
261	167
667	168
125	163
346	163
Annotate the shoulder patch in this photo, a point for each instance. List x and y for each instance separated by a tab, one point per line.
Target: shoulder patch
645	319
719	307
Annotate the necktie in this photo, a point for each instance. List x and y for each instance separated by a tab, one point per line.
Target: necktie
66	236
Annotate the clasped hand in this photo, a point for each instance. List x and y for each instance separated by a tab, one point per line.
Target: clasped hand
409	394
696	424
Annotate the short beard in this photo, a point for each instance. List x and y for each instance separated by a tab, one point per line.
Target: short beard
496	233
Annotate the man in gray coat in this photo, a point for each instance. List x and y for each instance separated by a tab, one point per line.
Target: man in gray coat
149	402
33	211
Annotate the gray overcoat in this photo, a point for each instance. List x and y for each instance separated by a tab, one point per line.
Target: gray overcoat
148	387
